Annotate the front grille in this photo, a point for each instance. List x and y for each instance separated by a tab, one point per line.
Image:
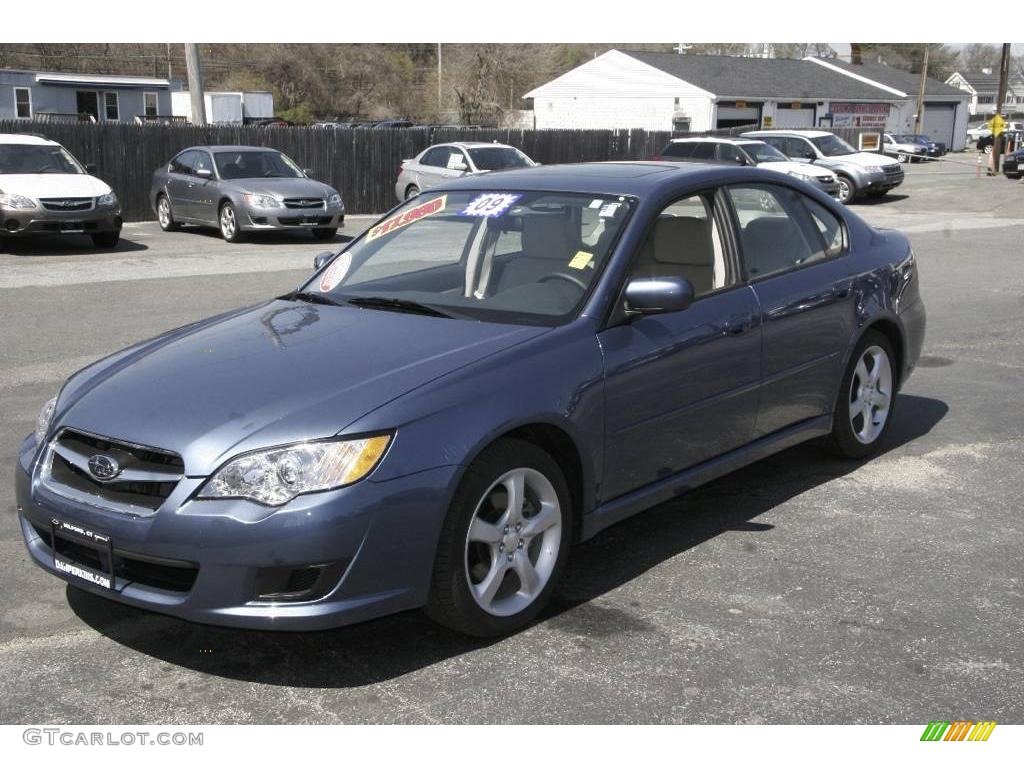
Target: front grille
893	172
161	573
145	477
288	221
68	204
304	202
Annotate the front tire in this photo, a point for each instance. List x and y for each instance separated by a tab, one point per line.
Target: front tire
903	157
106	239
867	395
504	543
229	228
847	191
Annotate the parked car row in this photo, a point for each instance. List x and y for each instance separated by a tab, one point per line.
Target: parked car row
911	147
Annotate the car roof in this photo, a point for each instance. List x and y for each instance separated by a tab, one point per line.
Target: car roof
26	138
635	178
230	148
788	132
719	139
469	144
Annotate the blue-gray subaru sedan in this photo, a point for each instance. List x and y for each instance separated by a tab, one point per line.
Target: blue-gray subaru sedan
494	371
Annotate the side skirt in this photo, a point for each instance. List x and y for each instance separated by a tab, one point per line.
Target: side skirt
629	504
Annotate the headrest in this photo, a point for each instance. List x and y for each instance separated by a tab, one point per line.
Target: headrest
771	228
547	236
683	240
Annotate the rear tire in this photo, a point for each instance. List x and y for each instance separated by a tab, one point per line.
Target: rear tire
411	191
165	215
325	233
106	239
866	399
504	543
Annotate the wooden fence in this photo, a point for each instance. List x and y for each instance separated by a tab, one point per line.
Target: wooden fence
362	164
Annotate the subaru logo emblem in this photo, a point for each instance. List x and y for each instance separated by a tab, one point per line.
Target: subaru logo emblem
66	203
103	468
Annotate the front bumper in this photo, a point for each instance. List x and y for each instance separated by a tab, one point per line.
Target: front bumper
881	180
382	535
1012	166
252	219
40	221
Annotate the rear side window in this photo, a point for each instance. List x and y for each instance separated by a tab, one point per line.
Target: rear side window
831	228
184	162
778	232
678	149
436	156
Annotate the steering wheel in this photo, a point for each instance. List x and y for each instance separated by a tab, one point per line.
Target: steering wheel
568	278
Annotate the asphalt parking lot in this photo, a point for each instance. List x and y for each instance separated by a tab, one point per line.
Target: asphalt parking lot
802	589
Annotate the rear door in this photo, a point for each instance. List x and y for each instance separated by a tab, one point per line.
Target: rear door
178	178
794	258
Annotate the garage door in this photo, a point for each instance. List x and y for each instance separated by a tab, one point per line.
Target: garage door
938	122
729	117
787	117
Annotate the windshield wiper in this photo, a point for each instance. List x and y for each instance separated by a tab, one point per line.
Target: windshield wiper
312	298
398	305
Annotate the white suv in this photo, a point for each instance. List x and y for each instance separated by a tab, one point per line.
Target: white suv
44	190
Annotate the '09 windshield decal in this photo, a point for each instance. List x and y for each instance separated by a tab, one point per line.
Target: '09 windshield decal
489	204
406	218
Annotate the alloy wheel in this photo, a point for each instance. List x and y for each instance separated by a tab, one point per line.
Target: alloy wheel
870	394
227	222
845	190
163	212
513	542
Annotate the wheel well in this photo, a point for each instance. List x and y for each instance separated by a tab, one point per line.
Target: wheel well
410	186
220	203
560	447
891	331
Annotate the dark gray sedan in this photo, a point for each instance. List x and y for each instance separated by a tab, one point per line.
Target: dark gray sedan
243	189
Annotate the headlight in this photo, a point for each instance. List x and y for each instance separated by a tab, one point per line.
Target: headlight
109	199
16	202
277	476
334	199
803	176
262	201
874	169
44	419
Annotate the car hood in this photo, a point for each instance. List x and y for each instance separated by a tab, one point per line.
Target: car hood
791	167
36	185
269	375
862	159
283	187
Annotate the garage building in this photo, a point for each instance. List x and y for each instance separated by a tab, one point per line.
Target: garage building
669	91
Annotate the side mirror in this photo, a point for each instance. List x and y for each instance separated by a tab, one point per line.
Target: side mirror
91	168
320	259
654	295
204	173
308	172
741	160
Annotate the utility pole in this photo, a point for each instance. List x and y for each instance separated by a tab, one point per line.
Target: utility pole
438	81
1004	76
195	83
920	92
170	74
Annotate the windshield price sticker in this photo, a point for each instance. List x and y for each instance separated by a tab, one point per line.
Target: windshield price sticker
406	218
335	273
582	260
489	204
608	210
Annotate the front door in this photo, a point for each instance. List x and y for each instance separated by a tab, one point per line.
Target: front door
681	387
794	257
203	191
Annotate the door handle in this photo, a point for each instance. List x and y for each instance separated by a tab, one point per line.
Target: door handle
842	291
738	325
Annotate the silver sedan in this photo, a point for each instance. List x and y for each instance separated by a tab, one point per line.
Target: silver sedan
242	189
444	162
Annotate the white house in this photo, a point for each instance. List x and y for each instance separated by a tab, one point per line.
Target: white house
982	86
235	107
669	91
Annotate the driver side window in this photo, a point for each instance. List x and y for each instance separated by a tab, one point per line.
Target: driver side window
685	242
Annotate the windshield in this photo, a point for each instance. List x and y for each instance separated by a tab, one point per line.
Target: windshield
764	153
37	158
496	158
831	146
256	165
514	257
